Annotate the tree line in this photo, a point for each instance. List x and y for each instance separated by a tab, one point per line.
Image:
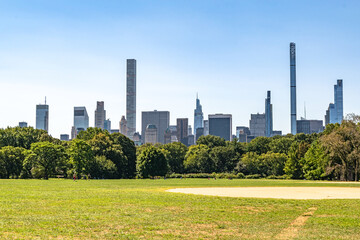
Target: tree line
331	155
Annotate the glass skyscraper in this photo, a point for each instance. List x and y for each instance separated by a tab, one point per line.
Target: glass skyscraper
81	119
338	101
42	117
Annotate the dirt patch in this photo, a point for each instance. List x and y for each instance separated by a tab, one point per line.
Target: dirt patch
292	231
276	192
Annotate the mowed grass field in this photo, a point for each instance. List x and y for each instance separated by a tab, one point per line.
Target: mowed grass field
142	209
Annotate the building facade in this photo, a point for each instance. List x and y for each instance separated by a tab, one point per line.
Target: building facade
182	130
42	117
309	126
160	119
100	115
293	87
206	127
258	125
335	111
23	124
268	115
221	125
198	116
123	126
81	119
131	97
151	134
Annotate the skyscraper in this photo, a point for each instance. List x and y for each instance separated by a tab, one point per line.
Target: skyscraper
309	126
100	115
293	87
81	119
107	125
257	125
335	113
338	101
123	126
268	116
206	127
131	97
182	130
198	115
221	125
42	116
160	119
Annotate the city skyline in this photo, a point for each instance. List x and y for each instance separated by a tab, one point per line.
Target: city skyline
215	51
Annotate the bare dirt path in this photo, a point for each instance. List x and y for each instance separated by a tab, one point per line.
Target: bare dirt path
276	192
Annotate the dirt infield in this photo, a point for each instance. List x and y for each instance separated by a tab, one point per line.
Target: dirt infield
276	192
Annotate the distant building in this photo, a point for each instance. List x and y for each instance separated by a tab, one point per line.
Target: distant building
131	97
190	130
64	137
268	116
151	134
335	114
182	130
107	125
160	119
100	115
275	133
23	124
137	139
199	133
81	119
73	132
206	127
257	125
191	140
221	125
123	126
42	117
242	132
338	100
113	131
198	116
309	126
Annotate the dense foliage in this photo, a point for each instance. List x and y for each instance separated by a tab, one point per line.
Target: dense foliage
331	155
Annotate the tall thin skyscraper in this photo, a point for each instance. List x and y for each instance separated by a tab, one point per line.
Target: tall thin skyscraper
131	97
100	115
42	116
338	101
198	115
268	116
182	130
293	87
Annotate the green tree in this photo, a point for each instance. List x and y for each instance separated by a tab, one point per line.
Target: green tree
342	145
103	168
281	144
175	156
249	164
211	141
272	163
259	145
81	156
294	164
11	161
151	162
197	160
315	162
48	160
129	150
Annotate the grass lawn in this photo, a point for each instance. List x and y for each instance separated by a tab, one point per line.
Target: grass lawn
141	209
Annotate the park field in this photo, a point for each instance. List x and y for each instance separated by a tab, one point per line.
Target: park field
142	209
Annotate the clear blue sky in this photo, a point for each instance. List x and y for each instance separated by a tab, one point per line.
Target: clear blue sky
230	52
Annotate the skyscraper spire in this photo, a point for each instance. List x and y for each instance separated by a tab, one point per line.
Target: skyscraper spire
198	115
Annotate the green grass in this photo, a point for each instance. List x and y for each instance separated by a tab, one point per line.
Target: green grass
141	209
